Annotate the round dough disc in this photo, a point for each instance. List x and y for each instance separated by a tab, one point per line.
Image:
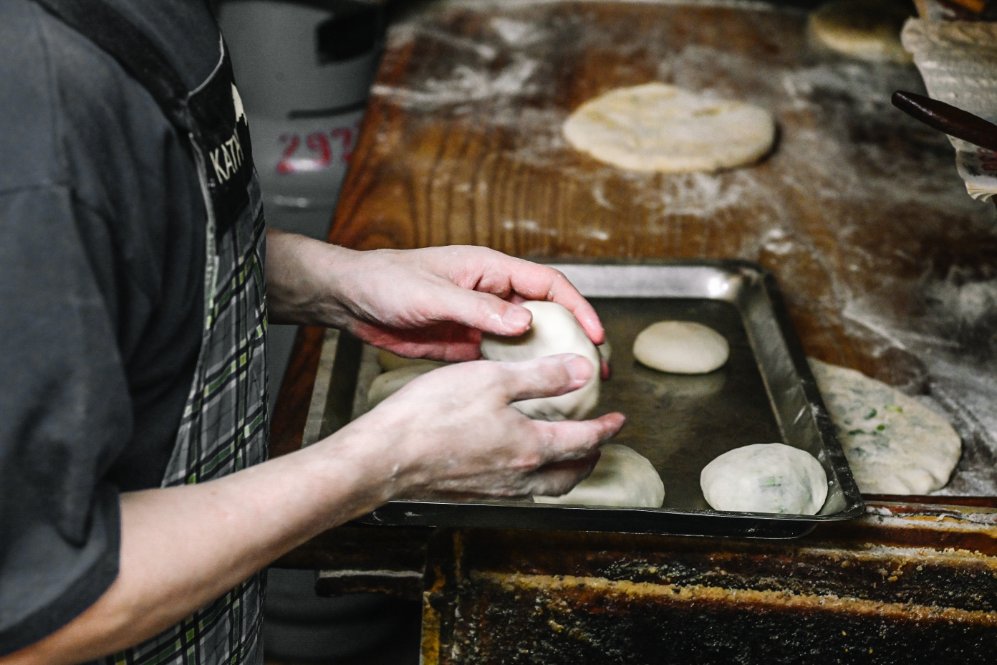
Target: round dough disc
893	443
765	478
681	347
622	477
554	330
659	127
863	29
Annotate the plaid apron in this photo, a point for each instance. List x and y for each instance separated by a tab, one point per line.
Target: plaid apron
224	425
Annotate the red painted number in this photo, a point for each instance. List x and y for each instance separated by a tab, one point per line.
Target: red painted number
318	151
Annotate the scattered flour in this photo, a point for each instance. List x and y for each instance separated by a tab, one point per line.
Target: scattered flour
832	113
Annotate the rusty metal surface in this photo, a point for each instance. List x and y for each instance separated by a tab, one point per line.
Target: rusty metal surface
902	584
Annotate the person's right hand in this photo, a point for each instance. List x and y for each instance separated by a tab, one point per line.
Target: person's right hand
452	430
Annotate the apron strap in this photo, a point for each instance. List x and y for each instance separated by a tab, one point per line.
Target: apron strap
137	55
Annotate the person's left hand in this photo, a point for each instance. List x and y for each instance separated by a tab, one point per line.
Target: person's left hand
434	302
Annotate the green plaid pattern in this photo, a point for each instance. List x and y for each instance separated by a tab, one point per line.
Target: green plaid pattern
224	429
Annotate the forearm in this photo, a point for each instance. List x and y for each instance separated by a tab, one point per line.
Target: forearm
303	280
182	547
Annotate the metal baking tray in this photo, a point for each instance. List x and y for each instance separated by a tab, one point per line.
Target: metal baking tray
765	393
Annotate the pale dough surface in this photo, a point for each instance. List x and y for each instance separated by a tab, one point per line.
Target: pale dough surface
863	29
681	347
893	443
663	128
765	478
389	361
622	477
388	383
554	330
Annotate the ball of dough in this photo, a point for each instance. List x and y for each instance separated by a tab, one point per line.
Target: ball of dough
659	127
765	478
554	330
622	477
386	384
862	29
681	347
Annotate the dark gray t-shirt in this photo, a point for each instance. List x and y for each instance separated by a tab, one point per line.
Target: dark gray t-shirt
101	298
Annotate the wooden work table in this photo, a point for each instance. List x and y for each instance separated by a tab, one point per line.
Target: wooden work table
859	214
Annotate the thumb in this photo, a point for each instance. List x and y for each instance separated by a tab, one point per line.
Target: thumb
547	376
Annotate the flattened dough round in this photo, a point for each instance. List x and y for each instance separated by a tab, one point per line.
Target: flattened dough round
659	127
554	330
388	383
681	347
622	477
893	443
765	478
863	29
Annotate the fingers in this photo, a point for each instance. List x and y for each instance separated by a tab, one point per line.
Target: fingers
560	477
545	377
513	279
538	282
577	439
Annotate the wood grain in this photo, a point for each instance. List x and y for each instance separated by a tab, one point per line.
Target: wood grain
853	211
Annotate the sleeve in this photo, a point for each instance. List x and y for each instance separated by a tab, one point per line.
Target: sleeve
65	414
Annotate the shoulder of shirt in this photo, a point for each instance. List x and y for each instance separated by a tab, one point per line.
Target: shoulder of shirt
54	83
48	74
71	119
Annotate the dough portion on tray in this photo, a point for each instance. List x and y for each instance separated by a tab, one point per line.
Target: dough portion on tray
681	347
554	330
388	383
765	478
622	477
893	443
389	361
660	127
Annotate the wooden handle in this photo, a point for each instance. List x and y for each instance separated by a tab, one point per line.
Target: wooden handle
947	118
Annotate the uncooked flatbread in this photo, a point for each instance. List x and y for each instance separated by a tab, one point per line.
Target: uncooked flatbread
681	347
765	478
893	443
554	330
387	384
863	29
621	477
659	127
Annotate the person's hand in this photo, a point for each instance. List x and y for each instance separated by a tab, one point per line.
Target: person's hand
452	431
434	302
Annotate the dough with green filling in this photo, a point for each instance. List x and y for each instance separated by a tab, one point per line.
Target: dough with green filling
893	443
765	478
